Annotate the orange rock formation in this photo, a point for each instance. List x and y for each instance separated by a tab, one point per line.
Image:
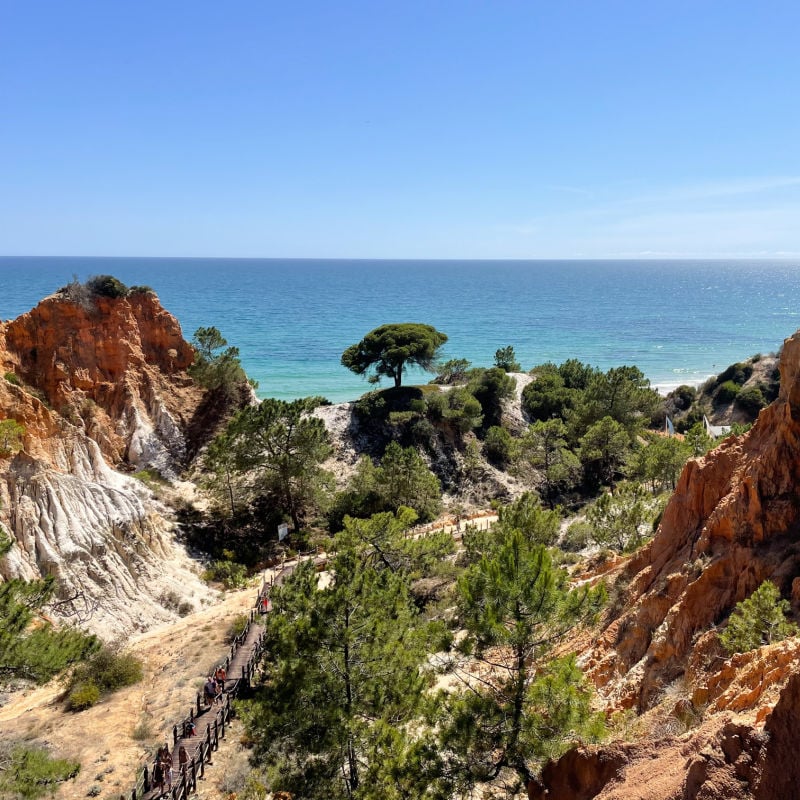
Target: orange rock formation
100	386
733	522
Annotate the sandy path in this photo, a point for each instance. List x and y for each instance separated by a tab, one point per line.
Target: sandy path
177	657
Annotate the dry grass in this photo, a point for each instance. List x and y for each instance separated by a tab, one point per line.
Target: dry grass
102	738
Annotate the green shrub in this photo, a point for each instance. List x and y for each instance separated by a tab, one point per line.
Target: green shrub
12	378
436	405
150	477
684	396
378	405
237	626
113	671
230	574
737	373
83	696
370	405
141	290
726	393
490	387
577	537
106	286
758	620
751	400
498	445
400	418
453	371
547	396
441	638
29	772
11	436
102	674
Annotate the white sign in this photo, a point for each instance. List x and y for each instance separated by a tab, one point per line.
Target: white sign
283	531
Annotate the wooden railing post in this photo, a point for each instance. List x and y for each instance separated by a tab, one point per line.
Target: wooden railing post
174	735
198	704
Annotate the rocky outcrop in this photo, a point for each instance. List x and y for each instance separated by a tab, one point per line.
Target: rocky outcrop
733	522
114	367
101	389
728	758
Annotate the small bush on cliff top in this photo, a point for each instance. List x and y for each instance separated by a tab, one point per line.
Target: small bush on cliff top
106	286
759	620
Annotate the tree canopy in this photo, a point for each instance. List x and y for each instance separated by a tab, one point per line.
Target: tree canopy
389	349
344	674
281	446
515	605
213	367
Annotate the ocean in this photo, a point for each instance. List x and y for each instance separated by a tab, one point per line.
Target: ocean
678	321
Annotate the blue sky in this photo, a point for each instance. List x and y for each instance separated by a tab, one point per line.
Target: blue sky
433	129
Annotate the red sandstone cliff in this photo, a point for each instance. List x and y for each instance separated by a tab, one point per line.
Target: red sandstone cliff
733	522
100	386
114	367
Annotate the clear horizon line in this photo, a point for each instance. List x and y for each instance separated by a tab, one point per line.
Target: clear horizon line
650	257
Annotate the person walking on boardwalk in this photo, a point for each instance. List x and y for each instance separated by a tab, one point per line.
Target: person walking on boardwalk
183	759
220	675
209	691
158	775
166	762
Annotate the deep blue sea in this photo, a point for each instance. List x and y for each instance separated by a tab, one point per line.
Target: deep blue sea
678	321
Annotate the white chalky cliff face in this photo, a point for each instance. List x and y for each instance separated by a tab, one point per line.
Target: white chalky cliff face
101	389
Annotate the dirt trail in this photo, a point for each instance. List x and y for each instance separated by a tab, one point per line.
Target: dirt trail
177	657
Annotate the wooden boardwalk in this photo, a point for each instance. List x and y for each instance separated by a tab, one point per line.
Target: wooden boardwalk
200	732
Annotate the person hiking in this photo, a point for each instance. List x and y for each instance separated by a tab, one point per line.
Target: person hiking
166	763
209	691
220	675
183	759
158	775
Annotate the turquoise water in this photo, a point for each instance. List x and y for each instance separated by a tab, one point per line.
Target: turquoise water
679	321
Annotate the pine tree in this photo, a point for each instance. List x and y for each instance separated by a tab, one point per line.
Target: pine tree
35	652
282	446
758	620
543	448
517	708
344	680
616	519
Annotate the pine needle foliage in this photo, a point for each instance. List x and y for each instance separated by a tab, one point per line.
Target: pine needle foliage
517	708
758	620
37	651
27	773
344	680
